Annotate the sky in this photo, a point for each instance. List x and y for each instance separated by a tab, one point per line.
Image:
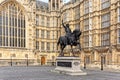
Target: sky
47	0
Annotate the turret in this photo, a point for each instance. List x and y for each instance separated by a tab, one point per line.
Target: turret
55	5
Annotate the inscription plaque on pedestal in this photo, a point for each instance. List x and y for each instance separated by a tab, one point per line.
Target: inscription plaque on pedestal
69	66
64	64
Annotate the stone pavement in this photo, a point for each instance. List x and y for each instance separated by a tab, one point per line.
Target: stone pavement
104	69
44	73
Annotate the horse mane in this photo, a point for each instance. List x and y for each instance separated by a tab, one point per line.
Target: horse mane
77	31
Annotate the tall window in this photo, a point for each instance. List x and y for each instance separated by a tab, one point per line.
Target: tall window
118	14
53	4
57	34
53	46
37	33
105	38
48	22
118	36
105	20
86	24
86	7
42	34
37	44
48	46
48	34
86	41
105	4
66	16
37	20
12	26
42	20
77	12
42	46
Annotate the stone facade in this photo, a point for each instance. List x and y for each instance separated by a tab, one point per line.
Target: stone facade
97	19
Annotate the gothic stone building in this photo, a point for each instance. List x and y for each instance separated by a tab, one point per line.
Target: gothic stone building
29	29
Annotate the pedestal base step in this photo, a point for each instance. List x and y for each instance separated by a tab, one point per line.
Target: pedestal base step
73	73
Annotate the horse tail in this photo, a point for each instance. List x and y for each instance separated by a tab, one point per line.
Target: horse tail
58	43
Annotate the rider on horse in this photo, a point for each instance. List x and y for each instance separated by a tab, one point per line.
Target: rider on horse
71	38
67	30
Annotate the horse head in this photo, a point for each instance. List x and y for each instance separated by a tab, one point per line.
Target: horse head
77	33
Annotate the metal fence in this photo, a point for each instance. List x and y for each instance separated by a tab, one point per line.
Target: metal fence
23	62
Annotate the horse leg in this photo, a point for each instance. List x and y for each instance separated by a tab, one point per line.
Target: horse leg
61	50
72	51
79	45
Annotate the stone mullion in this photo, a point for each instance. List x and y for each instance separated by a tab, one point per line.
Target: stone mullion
20	29
23	30
55	5
17	26
11	26
8	25
2	27
5	29
14	27
3	41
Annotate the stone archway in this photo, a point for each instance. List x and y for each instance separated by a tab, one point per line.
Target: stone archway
43	60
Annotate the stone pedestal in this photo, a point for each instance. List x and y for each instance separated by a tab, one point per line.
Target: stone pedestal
69	66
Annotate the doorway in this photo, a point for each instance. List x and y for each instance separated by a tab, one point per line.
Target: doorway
42	60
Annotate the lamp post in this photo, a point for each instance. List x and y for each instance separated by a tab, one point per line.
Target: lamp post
53	63
11	59
110	54
101	56
84	62
27	59
101	62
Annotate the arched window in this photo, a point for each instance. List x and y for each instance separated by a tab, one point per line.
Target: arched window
12	26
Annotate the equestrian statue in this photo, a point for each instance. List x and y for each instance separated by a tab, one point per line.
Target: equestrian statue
70	38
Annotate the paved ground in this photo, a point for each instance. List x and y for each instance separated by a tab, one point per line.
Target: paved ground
44	73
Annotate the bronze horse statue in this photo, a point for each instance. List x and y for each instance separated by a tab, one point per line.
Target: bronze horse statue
72	40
